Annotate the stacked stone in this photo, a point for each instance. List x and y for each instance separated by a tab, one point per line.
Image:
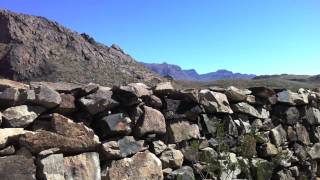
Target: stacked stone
74	131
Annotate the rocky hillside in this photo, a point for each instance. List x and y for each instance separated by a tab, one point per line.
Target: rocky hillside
34	48
91	132
178	73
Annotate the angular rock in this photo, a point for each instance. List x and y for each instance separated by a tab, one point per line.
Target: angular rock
143	165
0	119
292	115
61	87
314	152
122	148
236	95
84	166
183	130
152	122
164	88
214	102
171	158
262	92
268	150
185	173
17	167
6	83
9	97
211	123
191	95
47	97
68	136
250	110
99	101
8	135
21	116
302	134
291	98
153	101
117	123
278	136
313	116
7	151
158	147
67	105
51	167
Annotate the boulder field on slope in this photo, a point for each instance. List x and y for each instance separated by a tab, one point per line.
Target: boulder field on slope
64	131
35	48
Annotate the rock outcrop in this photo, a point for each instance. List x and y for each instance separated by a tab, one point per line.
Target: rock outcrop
70	131
35	48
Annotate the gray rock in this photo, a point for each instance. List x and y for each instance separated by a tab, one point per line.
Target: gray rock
158	147
21	116
118	123
291	98
314	152
99	101
245	108
144	165
84	166
67	105
236	95
214	102
164	88
10	150
185	173
262	92
211	123
9	97
278	136
47	97
183	130
122	148
268	150
284	175
302	134
137	89
152	122
313	116
292	115
51	167
171	158
17	167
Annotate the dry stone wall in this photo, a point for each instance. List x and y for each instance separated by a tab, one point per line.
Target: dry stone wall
63	131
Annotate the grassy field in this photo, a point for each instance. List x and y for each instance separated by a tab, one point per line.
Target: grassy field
280	82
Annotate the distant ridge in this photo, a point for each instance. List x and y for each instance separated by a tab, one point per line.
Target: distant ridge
176	72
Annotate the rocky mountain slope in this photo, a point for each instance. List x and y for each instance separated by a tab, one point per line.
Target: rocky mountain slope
91	132
34	48
178	73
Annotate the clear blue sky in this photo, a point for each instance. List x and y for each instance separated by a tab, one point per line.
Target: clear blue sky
248	36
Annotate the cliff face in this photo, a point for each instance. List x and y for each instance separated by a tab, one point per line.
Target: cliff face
34	48
71	131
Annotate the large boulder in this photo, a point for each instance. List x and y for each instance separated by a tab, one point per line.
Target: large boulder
164	88
67	105
245	108
291	98
313	116
144	165
185	173
84	166
9	97
47	97
122	148
17	167
171	158
183	130
214	102
9	135
99	101
6	83
152	122
278	136
118	123
21	116
236	95
68	136
292	115
302	134
51	167
314	151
